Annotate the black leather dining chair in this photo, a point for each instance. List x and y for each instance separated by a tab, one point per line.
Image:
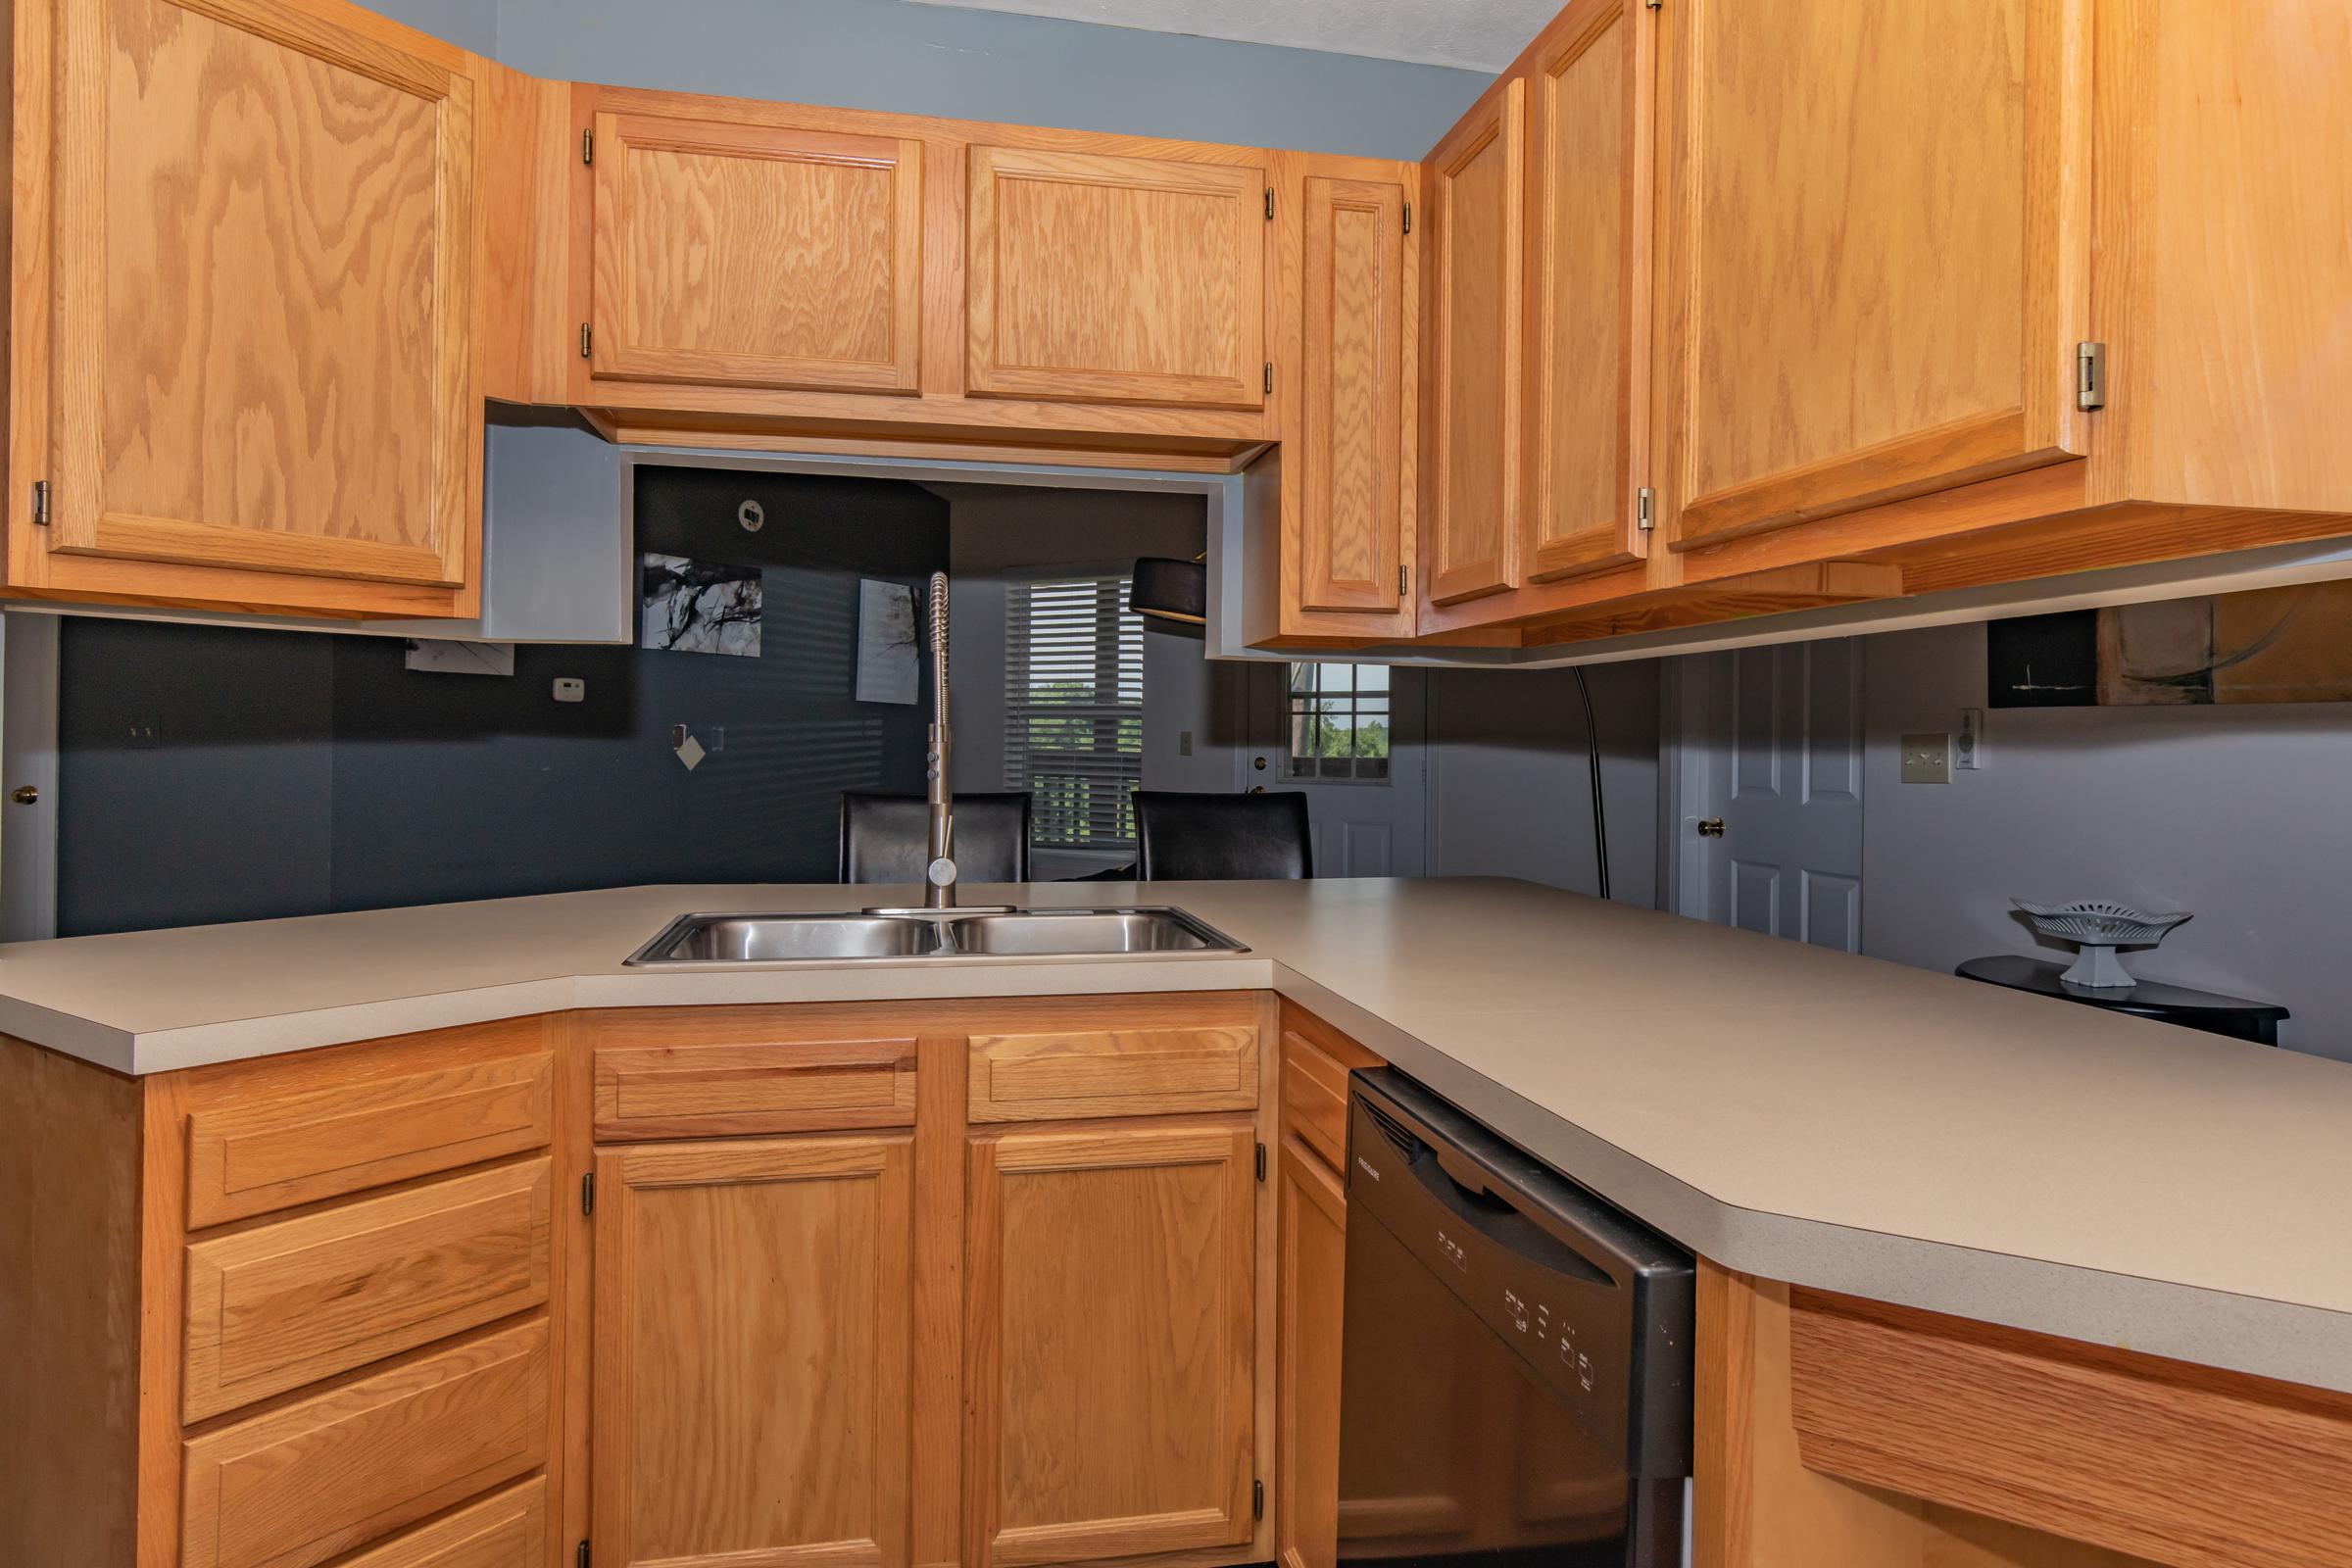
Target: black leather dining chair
1182	836
887	838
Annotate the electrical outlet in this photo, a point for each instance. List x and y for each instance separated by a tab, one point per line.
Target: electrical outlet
1927	759
570	689
1968	747
1184	743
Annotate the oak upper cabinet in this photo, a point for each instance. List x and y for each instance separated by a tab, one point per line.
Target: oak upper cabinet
1476	183
258	240
1588	270
753	1353
1110	1341
1351	512
755	255
1098	277
1873	288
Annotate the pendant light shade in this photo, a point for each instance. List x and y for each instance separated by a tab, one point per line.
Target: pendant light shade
1171	590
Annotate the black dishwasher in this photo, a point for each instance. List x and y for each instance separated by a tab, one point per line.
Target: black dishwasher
1516	1356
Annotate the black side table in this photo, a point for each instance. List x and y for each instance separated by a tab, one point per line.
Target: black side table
2233	1016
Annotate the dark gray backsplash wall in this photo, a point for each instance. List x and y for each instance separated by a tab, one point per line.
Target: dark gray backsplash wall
296	773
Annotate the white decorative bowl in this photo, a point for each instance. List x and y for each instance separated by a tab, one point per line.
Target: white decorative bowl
2099	926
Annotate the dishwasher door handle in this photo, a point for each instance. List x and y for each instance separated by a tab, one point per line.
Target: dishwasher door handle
1499	1220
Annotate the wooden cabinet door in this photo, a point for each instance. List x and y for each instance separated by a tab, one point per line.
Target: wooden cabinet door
1110	1341
1099	278
264	276
753	1379
1590	266
1877	284
1476	183
1355	400
1311	1271
754	255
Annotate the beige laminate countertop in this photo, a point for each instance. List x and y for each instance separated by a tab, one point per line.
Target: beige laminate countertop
1804	1115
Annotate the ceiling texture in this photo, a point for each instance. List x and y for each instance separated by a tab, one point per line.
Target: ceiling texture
1467	34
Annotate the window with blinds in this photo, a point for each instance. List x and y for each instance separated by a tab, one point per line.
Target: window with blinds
1074	720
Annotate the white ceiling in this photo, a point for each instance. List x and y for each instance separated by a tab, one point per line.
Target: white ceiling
1472	34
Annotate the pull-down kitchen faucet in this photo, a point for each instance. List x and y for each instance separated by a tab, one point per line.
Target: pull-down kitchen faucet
939	874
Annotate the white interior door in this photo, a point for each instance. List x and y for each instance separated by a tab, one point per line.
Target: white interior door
1349	738
1767	772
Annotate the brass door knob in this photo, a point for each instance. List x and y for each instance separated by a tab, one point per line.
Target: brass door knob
24	795
1711	828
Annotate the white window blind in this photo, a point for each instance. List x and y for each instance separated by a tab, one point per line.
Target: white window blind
1074	694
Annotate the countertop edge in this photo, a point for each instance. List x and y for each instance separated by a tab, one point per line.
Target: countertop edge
2254	1335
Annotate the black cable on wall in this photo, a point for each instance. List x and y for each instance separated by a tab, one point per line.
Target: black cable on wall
1601	813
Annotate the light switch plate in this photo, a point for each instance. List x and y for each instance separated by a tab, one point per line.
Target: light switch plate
1927	759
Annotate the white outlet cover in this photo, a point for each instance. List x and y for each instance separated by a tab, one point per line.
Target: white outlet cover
1927	759
570	689
1968	747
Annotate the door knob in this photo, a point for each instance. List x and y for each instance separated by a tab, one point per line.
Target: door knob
1257	789
1711	828
24	795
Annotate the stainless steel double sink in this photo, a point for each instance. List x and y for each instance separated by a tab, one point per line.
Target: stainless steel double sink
993	932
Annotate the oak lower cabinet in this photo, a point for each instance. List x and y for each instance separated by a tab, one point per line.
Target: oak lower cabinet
753	1365
1112	1339
1311	1206
258	386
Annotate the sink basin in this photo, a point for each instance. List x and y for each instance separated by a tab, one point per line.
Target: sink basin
699	939
784	939
1074	931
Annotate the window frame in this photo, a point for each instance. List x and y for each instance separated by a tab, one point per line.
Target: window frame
1298	702
1117	666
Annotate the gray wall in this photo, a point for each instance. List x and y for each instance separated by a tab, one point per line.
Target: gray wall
979	65
2234	813
1509	792
295	773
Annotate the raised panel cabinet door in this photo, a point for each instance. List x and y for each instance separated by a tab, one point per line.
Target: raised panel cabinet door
1311	1268
1110	1342
754	255
752	1358
1476	179
1590	267
1879	282
1100	278
1352	449
264	279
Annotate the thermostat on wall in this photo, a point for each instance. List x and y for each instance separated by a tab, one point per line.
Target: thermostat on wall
570	689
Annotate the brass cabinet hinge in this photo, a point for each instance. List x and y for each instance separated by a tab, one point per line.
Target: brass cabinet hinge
587	146
583	340
581	1557
1655	5
1408	217
2090	377
588	1194
1405	581
1261	1162
1257	1500
40	502
1269	377
1646	508
1269	204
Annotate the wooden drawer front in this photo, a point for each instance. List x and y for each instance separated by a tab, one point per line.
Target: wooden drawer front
263	1153
281	1305
1314	1098
691	1091
2178	1463
299	1484
508	1531
1113	1072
